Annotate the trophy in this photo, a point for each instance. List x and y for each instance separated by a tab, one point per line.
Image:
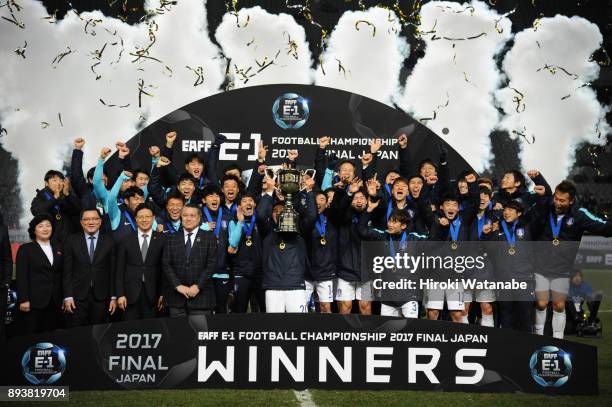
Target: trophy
289	182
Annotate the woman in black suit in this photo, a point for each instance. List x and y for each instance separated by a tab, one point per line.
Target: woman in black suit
39	278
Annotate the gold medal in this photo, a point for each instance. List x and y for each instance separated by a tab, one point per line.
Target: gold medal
323	241
511	251
556	242
281	246
249	242
58	217
454	245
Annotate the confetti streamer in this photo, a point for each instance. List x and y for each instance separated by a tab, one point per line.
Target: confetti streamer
199	72
44	125
518	99
111	105
61	56
93	23
142	91
553	70
59	116
292	47
368	23
524	135
341	68
21	50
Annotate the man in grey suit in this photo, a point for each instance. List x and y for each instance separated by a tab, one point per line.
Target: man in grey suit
189	260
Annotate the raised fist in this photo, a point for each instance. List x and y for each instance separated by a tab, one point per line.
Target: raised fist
79	143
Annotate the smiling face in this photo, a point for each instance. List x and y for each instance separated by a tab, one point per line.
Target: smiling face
133	202
415	185
395	227
91	221
511	214
212	201
450	209
346	172
321	201
190	218
248	205
427	170
399	191
174	207
142	179
230	190
186	187
562	202
54	183
484	201
195	168
144	219
43	230
508	182
359	202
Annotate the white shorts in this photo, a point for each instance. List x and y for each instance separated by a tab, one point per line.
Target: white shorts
454	299
481	295
409	309
285	301
324	290
353	290
559	285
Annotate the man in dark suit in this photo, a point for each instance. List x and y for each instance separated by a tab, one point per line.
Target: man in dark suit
189	260
89	271
6	272
139	268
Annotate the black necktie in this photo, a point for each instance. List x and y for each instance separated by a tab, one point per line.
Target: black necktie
188	245
91	248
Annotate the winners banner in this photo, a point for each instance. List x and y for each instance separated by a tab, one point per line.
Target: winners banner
293	351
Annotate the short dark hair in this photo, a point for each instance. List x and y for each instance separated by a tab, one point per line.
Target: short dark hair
399	216
485	190
193	206
142	206
413	176
514	204
247	195
485	180
52	174
211	190
393	170
400	179
427	161
362	190
140	171
88	209
518	176
186	177
194	156
90	173
132	192
228	177
232	167
450	197
35	221
175	194
346	162
567	187
324	193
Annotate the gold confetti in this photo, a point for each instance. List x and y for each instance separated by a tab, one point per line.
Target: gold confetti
368	23
498	28
304	10
142	91
233	10
111	105
524	135
44	125
59	116
93	22
251	42
52	18
292	47
465	38
536	23
61	56
98	76
341	68
566	96
21	50
199	72
97	54
553	70
518	99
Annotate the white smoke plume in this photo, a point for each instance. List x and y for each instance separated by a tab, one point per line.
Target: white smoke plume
35	93
364	54
457	76
264	48
548	65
